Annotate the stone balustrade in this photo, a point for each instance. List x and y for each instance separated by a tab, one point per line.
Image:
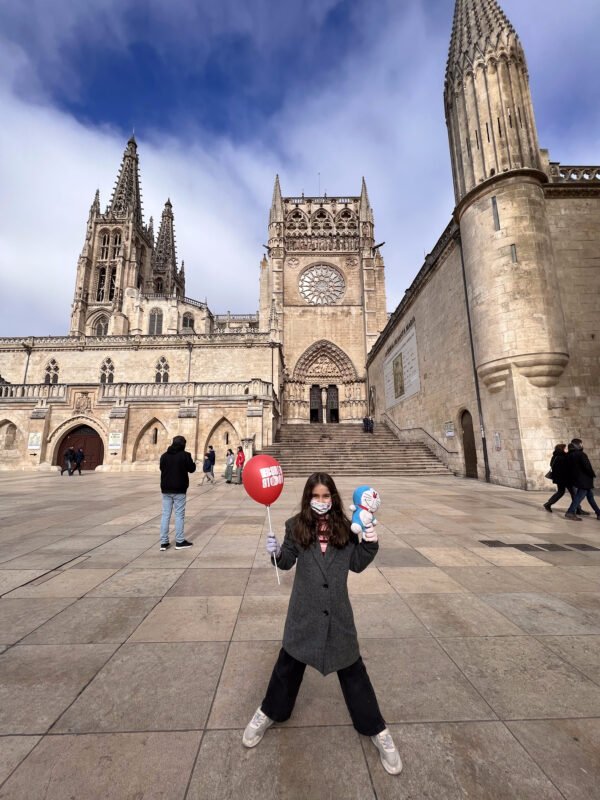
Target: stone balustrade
561	173
193	390
32	391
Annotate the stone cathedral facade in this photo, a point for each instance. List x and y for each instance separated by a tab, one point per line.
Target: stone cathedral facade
491	358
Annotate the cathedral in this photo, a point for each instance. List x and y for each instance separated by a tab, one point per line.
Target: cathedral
492	356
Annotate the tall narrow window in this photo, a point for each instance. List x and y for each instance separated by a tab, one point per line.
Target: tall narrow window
156	320
107	371
155	436
162	371
159	286
513	253
510	118
112	284
101	326
104	247
499	127
101	284
10	436
51	372
188	323
520	117
477	138
487	130
495	213
116	247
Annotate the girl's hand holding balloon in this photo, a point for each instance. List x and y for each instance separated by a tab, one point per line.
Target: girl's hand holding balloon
273	546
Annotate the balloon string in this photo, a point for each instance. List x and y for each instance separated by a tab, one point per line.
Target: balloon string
270	532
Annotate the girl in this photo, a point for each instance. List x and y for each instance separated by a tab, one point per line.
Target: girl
229	459
319	629
239	463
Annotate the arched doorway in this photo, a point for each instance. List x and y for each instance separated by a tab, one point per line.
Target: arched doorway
90	442
315	385
469	449
151	442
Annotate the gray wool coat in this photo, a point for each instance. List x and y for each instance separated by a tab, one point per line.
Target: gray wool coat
319	628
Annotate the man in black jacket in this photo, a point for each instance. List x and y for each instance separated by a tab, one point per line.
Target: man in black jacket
175	465
582	476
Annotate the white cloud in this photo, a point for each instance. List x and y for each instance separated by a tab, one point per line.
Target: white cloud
380	115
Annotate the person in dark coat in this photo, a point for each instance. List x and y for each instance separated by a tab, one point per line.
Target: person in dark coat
213	457
69	459
319	628
207	468
175	466
365	424
79	459
581	475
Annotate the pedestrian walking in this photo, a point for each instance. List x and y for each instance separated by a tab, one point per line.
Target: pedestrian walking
572	489
207	470
365	424
69	461
581	476
78	460
371	425
319	628
175	466
213	457
239	464
229	462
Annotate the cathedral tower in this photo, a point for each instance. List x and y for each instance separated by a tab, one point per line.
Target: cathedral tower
517	320
116	255
166	277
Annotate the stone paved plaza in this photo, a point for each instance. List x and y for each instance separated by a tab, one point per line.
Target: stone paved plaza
129	673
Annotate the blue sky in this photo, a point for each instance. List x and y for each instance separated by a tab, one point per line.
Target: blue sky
224	95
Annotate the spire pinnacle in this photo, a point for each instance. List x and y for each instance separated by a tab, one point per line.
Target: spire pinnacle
95	207
480	26
165	256
365	210
126	198
276	214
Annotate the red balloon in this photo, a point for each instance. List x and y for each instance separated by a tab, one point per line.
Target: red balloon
263	479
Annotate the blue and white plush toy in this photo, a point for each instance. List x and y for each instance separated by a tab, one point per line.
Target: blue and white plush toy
365	502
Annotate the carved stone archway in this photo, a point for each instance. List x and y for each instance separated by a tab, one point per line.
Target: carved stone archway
324	370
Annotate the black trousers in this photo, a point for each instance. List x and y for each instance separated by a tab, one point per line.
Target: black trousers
356	687
560	490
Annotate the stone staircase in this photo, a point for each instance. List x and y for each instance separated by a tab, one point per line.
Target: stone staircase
345	449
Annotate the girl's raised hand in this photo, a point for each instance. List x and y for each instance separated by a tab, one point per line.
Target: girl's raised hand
273	546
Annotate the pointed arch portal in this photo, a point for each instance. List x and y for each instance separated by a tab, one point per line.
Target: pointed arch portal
317	377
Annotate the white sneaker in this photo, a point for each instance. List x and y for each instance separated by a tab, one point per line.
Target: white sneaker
255	730
390	757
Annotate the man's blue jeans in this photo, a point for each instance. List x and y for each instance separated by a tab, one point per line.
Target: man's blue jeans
580	495
168	502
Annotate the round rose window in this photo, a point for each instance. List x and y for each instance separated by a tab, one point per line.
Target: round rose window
322	285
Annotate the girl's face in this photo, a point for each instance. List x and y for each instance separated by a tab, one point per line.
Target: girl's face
321	494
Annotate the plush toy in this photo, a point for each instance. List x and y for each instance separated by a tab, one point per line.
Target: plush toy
365	502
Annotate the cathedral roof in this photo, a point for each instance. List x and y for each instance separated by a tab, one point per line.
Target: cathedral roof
480	27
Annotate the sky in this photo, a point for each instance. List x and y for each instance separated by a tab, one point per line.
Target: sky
222	96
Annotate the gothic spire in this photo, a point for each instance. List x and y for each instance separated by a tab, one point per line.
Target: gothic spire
480	27
165	257
276	214
126	198
95	207
365	210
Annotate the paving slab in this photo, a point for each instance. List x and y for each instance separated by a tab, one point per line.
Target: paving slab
94	620
295	764
73	583
459	615
13	749
261	618
20	616
138	583
120	766
567	750
488	579
454	761
543	613
581	651
37	683
522	679
206	582
148	687
423	580
12	578
190	619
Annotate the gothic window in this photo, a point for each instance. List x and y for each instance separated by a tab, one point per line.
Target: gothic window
159	286
116	245
101	285
156	320
104	246
321	222
188	323
101	326
51	372
155	436
162	371
346	222
112	283
107	371
9	435
296	223
322	285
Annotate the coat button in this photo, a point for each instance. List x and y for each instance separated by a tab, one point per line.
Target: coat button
326	586
326	613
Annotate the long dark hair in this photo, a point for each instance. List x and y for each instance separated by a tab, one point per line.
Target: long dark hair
305	531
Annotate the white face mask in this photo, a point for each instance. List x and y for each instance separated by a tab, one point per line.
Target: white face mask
320	508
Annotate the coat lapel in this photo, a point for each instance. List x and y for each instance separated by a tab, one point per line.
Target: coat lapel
315	549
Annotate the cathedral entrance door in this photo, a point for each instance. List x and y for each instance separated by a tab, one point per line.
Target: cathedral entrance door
333	404
315	403
470	451
89	441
